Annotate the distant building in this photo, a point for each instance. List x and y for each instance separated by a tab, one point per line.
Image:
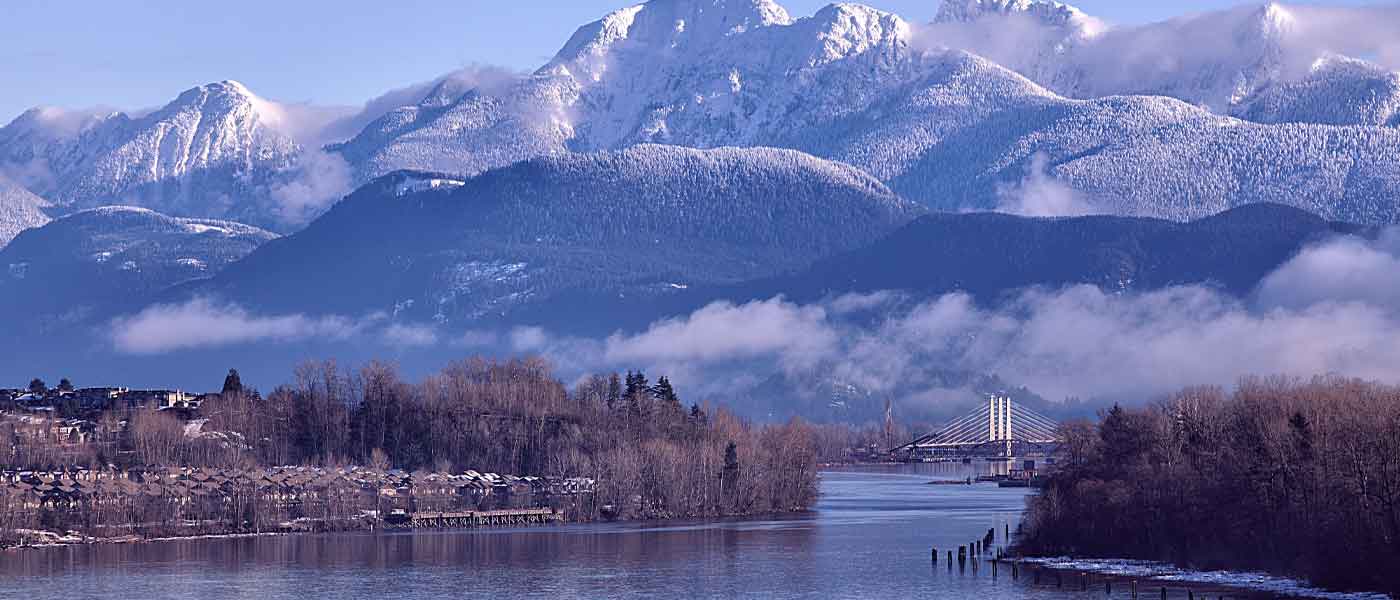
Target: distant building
100	398
159	399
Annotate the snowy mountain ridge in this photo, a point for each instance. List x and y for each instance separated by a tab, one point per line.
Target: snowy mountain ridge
217	150
19	210
849	83
862	86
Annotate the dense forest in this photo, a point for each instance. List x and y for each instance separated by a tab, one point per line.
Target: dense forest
1297	477
651	455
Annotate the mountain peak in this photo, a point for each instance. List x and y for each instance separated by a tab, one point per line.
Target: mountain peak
225	95
1047	11
661	25
1275	20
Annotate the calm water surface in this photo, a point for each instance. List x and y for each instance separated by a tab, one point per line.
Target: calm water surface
869	537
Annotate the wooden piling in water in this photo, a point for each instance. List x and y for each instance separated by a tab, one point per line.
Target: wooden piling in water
934	555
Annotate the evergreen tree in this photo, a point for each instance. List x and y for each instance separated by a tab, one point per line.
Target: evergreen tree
615	390
64	385
636	384
696	413
665	393
38	387
729	478
233	384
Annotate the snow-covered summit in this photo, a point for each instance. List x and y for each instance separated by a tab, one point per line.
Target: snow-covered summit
662	25
978	94
1047	12
216	150
698	73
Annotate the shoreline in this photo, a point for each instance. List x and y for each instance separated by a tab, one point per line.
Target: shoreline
78	540
134	539
1154	574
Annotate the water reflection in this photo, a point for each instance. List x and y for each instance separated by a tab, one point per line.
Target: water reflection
869	538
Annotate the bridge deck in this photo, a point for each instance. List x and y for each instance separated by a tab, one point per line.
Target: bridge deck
999	423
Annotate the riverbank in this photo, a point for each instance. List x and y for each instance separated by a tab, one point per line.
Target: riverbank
49	539
1150	577
1295	479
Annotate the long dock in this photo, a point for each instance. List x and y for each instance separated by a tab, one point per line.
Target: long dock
478	518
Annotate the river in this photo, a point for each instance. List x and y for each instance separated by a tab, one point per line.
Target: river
868	537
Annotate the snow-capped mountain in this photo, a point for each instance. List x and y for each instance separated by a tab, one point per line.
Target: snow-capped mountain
215	151
949	129
637	222
1229	62
91	262
1043	12
19	210
1336	91
850	83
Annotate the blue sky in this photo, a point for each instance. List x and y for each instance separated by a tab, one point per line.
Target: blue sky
84	53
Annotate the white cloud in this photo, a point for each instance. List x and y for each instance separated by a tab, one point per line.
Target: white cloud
319	180
1347	269
724	332
409	335
486	78
205	323
1041	195
1332	309
473	338
858	303
1078	341
530	339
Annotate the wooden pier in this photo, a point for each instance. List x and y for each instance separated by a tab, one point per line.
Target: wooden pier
471	519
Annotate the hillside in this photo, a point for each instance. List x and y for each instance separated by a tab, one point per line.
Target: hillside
993	256
93	263
636	222
19	210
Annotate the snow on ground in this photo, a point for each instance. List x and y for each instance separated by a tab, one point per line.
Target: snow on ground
1155	571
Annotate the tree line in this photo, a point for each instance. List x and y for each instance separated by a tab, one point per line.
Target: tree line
1290	476
651	455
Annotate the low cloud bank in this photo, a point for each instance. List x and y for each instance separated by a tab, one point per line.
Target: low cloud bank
205	323
1335	308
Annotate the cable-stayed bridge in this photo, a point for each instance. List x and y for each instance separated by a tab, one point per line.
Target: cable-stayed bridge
999	428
